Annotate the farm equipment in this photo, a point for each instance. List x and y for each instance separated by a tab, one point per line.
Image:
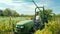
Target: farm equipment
24	27
28	26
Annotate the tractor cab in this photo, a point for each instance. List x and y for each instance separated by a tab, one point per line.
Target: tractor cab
41	15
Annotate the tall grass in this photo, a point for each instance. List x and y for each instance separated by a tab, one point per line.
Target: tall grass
6	23
52	28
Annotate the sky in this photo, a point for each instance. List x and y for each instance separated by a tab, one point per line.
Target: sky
27	7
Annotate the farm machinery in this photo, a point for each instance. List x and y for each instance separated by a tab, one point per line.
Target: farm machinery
24	27
28	26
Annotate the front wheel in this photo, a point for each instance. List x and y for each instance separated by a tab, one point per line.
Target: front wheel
32	31
15	33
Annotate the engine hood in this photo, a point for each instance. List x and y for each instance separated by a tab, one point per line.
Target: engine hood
23	22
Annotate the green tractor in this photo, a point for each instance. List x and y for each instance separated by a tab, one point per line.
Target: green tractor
24	27
27	26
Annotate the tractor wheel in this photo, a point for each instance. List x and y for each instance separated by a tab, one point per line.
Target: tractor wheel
32	31
42	27
15	33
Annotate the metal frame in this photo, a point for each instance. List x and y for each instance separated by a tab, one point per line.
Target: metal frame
39	10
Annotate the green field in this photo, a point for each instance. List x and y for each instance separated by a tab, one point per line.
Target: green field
6	23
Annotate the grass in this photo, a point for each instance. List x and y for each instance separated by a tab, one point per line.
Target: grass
6	23
52	28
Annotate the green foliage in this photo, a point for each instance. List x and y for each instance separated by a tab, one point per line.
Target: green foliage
48	13
6	22
9	12
1	13
52	28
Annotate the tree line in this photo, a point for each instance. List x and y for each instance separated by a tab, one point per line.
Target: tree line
9	12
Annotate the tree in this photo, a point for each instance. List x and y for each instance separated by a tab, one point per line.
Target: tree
1	12
48	13
10	12
7	12
14	13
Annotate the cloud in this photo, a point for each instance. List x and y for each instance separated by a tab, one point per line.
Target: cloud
22	6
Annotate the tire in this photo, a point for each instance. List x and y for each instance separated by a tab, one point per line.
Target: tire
42	27
32	31
15	33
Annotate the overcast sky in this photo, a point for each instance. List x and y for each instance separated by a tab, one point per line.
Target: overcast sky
27	7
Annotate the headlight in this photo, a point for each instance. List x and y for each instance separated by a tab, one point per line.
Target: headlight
17	26
22	27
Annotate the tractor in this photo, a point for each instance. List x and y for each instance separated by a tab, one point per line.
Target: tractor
28	26
24	27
